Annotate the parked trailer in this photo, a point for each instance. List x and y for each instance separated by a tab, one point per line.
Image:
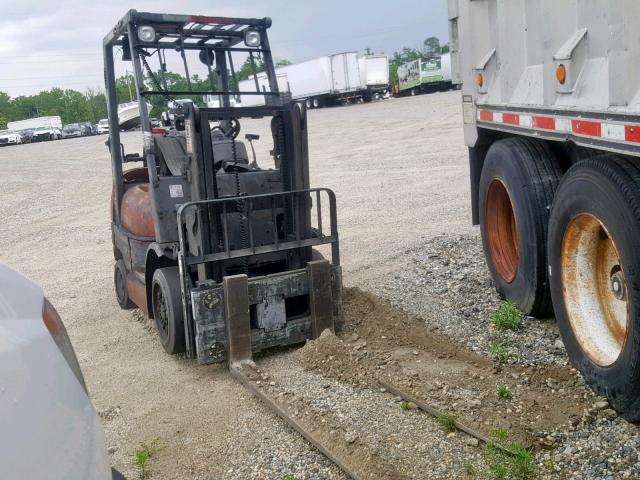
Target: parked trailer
424	75
39	122
321	81
551	108
374	76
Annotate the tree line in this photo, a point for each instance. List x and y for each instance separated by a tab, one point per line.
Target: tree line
91	105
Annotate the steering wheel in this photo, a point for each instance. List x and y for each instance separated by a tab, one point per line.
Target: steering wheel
233	131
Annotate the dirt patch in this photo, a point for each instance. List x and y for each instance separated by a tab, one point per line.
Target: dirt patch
381	341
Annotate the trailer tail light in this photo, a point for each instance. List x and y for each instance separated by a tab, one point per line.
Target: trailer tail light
561	74
479	80
58	332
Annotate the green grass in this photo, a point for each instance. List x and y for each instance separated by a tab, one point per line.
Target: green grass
523	464
503	391
499	350
498	471
290	477
142	454
518	465
405	406
500	434
508	317
447	422
469	469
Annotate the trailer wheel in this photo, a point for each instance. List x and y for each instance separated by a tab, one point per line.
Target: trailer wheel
166	299
120	283
308	103
316	102
518	181
595	276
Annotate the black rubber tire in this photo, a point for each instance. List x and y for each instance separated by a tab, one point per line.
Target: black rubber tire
530	174
120	285
116	475
316	102
608	188
166	299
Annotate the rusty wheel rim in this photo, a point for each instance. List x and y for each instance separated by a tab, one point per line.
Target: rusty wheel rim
594	289
502	233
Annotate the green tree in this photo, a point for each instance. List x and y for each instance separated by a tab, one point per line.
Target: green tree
3	122
444	49
431	46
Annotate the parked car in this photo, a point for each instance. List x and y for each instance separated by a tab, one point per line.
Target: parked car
48	427
10	137
44	134
27	135
72	130
89	128
103	126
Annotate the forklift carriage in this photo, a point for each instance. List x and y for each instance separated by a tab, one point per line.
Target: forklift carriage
215	248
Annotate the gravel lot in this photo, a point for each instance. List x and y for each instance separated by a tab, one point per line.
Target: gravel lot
399	170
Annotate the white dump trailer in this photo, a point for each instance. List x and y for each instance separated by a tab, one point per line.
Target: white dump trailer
374	75
38	122
321	81
551	103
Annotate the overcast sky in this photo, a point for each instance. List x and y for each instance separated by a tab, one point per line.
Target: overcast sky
44	44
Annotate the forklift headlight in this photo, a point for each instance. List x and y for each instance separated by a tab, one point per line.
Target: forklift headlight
252	38
146	34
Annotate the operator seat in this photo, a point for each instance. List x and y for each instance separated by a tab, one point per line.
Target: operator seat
223	156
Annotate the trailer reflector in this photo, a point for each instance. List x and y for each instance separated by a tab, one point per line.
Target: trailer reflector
609	129
486	115
585	127
511	118
548	123
632	133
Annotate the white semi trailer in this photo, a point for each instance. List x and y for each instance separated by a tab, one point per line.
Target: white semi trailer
551	107
374	76
322	81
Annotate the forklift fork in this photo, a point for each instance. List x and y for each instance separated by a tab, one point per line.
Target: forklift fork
237	317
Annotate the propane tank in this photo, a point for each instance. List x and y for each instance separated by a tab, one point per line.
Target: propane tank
136	213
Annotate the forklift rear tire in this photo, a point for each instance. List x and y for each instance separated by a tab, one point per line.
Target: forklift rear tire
120	283
166	297
519	179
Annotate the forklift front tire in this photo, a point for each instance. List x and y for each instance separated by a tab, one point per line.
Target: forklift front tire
166	297
120	283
